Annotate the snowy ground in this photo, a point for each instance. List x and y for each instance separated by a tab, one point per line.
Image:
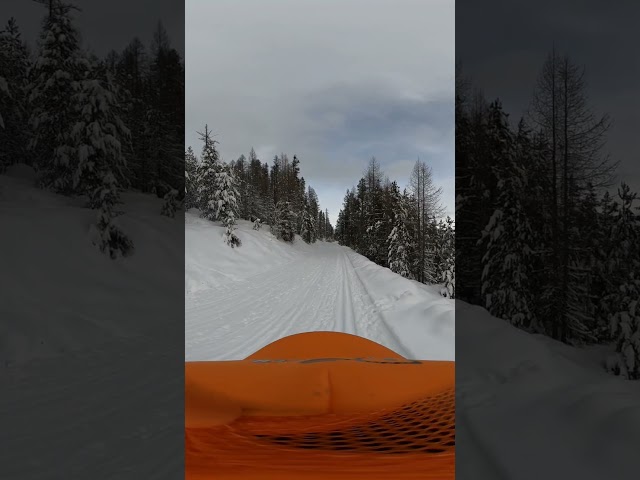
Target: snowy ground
239	300
89	361
529	407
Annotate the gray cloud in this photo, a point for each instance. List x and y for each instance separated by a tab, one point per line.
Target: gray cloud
105	25
334	82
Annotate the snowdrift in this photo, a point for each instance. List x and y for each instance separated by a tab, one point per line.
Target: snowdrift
60	293
529	407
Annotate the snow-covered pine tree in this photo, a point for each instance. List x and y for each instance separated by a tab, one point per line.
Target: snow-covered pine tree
285	221
399	240
225	203
606	267
14	63
94	159
448	258
508	236
308	232
170	204
59	67
190	178
109	238
625	327
625	319
206	176
94	142
4	92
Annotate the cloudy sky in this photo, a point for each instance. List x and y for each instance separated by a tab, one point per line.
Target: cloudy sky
502	45
333	81
104	25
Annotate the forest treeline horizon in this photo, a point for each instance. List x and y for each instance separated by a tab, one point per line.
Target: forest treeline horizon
541	240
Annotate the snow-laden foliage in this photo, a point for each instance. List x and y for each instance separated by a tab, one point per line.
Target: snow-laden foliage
4	91
285	222
369	217
110	238
624	317
170	204
275	196
625	327
69	114
190	177
308	232
14	65
206	174
399	240
225	203
448	258
95	140
56	75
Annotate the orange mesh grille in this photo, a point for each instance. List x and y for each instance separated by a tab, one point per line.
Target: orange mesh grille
416	440
425	426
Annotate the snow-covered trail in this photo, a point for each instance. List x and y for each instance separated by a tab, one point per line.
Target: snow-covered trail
238	300
322	291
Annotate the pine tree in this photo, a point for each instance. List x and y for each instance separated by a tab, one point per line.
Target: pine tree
110	239
625	317
508	235
191	177
206	176
285	221
14	63
170	204
58	68
225	202
94	142
132	74
448	256
165	119
93	156
399	240
308	231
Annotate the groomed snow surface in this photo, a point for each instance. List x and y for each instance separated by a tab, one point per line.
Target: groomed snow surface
239	300
91	373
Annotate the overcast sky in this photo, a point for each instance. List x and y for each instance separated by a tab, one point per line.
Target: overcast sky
104	25
502	45
333	81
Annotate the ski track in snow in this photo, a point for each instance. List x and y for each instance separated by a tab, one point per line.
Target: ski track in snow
318	292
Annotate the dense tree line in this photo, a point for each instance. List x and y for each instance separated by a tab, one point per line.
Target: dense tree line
249	189
404	230
93	127
541	240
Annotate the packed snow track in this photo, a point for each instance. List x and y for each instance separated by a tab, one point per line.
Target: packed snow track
301	288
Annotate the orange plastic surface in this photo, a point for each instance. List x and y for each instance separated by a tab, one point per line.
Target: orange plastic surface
320	405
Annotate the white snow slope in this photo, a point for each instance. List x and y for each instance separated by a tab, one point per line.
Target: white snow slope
90	348
530	408
239	300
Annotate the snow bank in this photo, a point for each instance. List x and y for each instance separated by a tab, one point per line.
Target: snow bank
210	262
537	408
60	293
421	318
